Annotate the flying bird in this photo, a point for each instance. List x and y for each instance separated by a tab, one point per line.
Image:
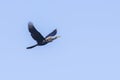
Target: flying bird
37	36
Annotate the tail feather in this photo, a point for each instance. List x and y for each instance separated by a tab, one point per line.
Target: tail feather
31	46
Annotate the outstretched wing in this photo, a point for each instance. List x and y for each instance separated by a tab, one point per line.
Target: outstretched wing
34	33
53	33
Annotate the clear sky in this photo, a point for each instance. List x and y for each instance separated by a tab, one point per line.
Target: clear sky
89	47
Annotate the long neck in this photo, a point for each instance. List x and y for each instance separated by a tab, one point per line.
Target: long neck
50	39
56	37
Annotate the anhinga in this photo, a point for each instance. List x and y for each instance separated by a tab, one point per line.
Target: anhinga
38	36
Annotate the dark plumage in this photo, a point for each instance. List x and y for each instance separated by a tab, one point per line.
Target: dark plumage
38	36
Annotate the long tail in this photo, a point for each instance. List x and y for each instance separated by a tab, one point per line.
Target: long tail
32	46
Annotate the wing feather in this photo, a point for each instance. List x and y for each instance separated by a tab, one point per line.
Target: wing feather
34	33
53	33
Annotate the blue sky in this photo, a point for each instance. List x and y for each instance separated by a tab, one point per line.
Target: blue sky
89	47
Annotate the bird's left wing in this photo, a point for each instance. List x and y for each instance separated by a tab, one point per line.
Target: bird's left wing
34	33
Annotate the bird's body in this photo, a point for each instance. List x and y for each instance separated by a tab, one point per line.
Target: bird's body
38	36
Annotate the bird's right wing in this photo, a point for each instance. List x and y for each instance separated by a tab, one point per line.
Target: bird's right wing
53	33
34	33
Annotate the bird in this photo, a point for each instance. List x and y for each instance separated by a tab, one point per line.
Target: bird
39	38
